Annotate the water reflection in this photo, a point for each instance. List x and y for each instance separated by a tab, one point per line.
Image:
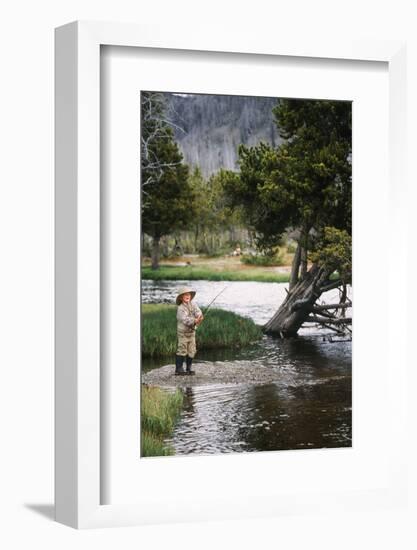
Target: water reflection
309	408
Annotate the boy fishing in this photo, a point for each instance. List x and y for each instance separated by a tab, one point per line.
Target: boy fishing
189	317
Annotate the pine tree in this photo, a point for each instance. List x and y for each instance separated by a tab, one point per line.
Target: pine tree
305	185
167	199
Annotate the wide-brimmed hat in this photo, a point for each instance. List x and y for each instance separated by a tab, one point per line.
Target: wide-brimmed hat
184	290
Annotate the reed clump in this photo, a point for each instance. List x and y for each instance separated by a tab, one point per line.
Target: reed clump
160	410
220	329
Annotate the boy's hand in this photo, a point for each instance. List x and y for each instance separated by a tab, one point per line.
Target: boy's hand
199	319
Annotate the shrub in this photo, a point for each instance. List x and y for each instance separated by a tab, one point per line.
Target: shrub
263	259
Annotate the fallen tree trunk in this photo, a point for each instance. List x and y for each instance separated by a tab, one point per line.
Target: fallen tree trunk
300	306
297	304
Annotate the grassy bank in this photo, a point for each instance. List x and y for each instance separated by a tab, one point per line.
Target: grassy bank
221	329
191	273
160	410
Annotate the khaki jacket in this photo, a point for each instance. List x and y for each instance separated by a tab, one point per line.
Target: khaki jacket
186	316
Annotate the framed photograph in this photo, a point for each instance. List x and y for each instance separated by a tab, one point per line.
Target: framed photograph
221	207
246	291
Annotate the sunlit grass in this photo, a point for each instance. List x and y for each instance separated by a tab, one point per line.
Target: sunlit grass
191	273
220	329
160	410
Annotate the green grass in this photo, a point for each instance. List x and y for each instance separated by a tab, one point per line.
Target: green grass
191	273
154	446
220	329
160	410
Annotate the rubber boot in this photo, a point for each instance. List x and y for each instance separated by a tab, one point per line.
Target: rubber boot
189	362
179	361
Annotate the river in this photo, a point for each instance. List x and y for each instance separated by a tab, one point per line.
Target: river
310	406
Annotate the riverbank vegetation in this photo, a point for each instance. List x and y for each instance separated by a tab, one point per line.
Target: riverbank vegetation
189	273
220	329
160	410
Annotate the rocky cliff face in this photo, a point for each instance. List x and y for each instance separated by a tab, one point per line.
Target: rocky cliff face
209	128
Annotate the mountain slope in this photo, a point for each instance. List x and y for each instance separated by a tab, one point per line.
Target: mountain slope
209	128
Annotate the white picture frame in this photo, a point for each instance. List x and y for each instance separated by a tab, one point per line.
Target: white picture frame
78	321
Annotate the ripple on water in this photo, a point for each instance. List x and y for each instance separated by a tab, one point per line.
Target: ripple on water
223	419
308	406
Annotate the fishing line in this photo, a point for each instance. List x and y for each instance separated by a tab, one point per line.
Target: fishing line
212	302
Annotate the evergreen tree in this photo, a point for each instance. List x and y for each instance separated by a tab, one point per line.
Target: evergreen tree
215	217
304	184
167	199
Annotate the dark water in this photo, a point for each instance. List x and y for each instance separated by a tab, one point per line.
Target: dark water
309	408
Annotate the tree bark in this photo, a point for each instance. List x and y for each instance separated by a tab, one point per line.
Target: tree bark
295	267
303	272
155	252
304	250
343	298
297	305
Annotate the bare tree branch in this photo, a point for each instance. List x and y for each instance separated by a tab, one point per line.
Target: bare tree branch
323	307
324	320
332	285
156	127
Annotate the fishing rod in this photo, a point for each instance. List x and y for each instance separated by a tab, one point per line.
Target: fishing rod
212	302
214	299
